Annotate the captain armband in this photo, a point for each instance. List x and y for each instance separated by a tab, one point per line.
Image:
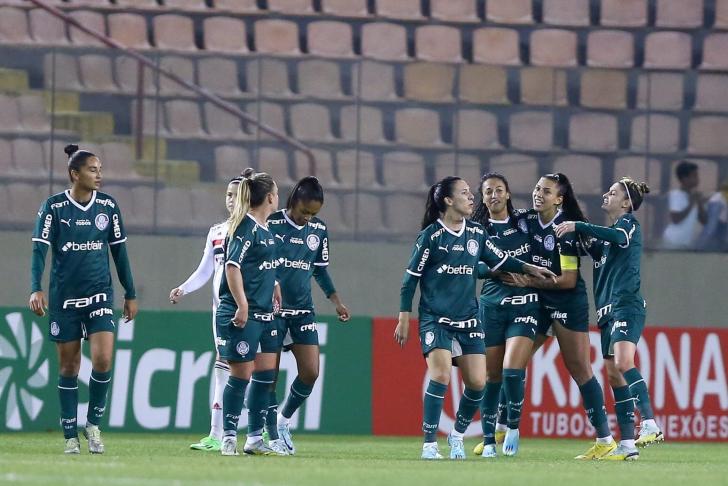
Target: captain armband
569	262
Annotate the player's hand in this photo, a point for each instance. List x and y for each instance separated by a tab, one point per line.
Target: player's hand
401	332
175	295
130	309
343	312
277	299
540	272
241	316
515	280
565	227
38	303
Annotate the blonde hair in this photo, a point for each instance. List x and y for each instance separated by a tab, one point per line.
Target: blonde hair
251	193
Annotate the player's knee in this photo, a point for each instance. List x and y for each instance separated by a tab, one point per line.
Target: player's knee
614	376
70	368
309	376
623	364
440	377
494	376
102	364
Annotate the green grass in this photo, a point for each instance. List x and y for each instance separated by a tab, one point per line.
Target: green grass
145	459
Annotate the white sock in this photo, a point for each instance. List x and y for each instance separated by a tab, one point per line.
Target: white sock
252	439
627	443
221	375
283	420
605	440
501	427
650	423
429	444
456	434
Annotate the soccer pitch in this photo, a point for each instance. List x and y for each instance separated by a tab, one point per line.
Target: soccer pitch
37	458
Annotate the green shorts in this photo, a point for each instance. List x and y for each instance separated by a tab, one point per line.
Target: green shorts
297	329
502	322
621	327
434	334
73	325
573	318
259	335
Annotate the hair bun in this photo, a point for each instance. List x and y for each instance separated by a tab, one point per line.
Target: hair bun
643	187
70	149
248	172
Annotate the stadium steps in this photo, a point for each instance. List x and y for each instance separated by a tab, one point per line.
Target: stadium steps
88	124
13	80
172	172
64	101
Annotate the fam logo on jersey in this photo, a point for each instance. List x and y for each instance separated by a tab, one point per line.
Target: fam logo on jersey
101	221
23	371
549	243
313	242
429	338
523	226
242	348
473	247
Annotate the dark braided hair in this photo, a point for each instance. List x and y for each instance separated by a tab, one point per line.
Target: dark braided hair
436	199
482	214
635	192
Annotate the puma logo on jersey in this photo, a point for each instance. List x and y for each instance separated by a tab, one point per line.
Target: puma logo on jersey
443	248
282	238
67	222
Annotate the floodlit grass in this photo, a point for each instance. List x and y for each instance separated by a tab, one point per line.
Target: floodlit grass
145	459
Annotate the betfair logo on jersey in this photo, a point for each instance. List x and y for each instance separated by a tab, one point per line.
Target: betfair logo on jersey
296	264
455	270
541	261
85	301
269	265
466	324
520	299
87	246
46	232
520	251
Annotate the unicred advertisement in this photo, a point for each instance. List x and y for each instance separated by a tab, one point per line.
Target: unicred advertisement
685	369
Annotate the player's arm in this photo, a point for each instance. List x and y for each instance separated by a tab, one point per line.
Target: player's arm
498	260
618	235
324	281
418	261
200	276
117	245
234	276
42	237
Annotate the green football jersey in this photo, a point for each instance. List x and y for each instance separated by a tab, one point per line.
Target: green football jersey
547	251
511	236
617	271
253	250
300	250
79	237
446	264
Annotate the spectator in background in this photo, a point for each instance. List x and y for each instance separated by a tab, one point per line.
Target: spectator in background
714	236
687	209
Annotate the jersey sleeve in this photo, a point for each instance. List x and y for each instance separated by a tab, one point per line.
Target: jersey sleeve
420	256
618	234
322	257
569	251
205	269
45	225
238	246
117	233
497	259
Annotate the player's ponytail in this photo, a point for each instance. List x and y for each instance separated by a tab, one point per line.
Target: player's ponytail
241	205
635	192
569	205
76	158
436	199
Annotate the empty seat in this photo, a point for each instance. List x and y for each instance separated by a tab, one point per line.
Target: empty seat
242	6
477	129
268	76
270	114
222	124
385	41
153	119
14	28
24	199
180	66
467	167
33	114
230	161
97	73
324	167
624	13
566	12
345	8
274	36
543	86
130	30
438	43
139	213
711	92
174	208
668	50
219	75
310	121
399	9
127	73
603	89
225	34
640	169
721	14
66	72
140	4
319	79
118	160
400	209
454	10
47	28
377	80
418	127
275	162
707	135
495	45
333	215
584	172
483	84
531	130
404	170
655	133
330	39
207	206
660	91
593	132
553	47
183	118
290	7
175	32
427	81
10	120
364	125
186	4
92	20
610	48
679	13
509	11
356	168
28	157
521	171
715	52
363	212
6	157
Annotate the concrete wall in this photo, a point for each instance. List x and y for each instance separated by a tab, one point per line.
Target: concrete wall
682	289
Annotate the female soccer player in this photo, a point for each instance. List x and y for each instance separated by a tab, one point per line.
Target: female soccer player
211	265
303	251
565	300
81	226
509	315
445	262
244	316
616	251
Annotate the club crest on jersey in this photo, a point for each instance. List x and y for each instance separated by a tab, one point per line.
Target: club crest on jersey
101	221
242	348
473	247
313	242
549	243
429	338
523	226
55	330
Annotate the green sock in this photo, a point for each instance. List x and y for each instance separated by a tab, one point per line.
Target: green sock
624	408
68	395
98	388
513	385
232	404
271	419
298	394
469	403
432	404
591	394
638	390
258	400
489	410
503	406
